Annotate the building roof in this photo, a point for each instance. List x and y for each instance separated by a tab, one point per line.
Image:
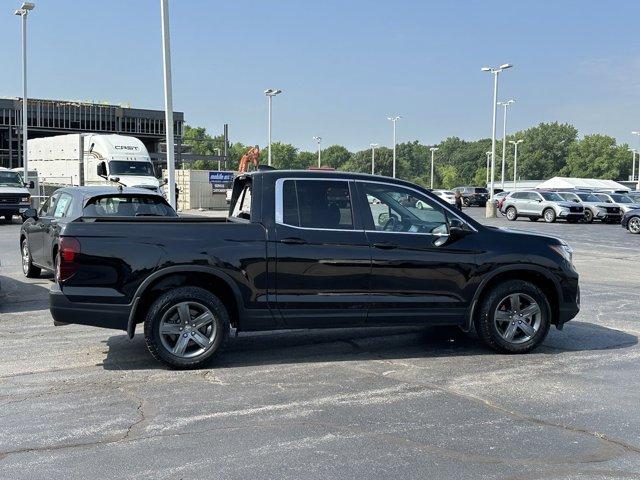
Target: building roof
582	183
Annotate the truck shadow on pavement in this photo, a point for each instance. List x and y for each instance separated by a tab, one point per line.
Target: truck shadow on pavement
315	346
23	296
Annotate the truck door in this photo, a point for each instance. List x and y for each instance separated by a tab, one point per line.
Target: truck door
419	275
323	260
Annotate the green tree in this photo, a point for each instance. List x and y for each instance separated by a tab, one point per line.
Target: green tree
597	156
335	156
544	151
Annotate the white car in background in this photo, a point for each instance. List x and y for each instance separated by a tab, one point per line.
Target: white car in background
446	195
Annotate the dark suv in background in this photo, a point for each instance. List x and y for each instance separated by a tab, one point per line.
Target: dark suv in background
473	195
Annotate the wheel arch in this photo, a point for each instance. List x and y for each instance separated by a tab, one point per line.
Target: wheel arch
211	279
531	273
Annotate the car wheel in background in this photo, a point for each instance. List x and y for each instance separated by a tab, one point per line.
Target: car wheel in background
512	214
186	327
633	225
588	216
419	205
549	215
465	201
514	317
28	268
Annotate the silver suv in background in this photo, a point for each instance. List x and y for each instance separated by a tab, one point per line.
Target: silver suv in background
541	204
594	208
625	202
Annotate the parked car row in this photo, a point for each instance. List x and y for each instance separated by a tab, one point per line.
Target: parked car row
572	206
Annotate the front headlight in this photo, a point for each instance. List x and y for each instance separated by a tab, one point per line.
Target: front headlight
25	200
564	250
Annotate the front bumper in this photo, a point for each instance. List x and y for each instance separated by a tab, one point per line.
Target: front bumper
105	315
13	208
564	214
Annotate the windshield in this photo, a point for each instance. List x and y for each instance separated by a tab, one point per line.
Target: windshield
621	198
480	190
588	197
128	206
121	167
10	179
552	197
571	197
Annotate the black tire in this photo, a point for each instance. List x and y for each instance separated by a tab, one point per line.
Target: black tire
29	270
588	216
486	326
549	215
465	202
534	219
512	214
633	225
164	305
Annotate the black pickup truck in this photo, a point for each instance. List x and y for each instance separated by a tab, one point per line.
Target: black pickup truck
305	249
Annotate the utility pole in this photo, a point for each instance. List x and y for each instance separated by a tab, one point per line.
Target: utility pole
433	151
394	120
373	157
318	141
491	206
515	161
24	12
168	102
504	139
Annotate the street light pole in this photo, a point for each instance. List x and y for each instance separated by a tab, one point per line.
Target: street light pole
23	12
504	138
491	207
633	164
433	151
270	93
394	121
373	157
168	102
319	140
515	161
488	165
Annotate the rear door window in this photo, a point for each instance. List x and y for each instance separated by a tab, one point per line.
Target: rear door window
321	204
128	206
62	205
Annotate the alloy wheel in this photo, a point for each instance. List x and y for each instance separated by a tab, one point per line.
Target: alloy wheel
634	225
517	318
25	257
188	329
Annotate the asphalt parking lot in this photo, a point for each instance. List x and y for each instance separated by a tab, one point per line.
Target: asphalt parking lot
80	402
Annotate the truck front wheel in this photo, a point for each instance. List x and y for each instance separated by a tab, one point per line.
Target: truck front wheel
186	327
514	317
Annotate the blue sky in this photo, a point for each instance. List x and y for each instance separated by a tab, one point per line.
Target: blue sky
344	65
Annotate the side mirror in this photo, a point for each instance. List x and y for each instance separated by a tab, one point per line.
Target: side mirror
166	180
30	213
102	169
458	229
114	179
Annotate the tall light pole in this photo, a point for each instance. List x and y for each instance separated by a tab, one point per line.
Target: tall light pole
515	160
168	102
491	207
23	12
433	151
504	138
394	120
270	93
638	135
633	164
319	141
488	165
373	157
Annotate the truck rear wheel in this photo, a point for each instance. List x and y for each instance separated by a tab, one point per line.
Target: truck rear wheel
186	327
514	317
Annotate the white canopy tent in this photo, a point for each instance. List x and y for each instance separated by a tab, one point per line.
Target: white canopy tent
571	183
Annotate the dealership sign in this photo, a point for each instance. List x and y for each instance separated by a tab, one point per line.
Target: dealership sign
221	181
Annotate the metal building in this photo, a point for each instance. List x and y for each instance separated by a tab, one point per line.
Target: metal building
47	118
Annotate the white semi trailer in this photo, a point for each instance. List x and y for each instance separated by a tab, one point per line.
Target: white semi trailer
92	159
